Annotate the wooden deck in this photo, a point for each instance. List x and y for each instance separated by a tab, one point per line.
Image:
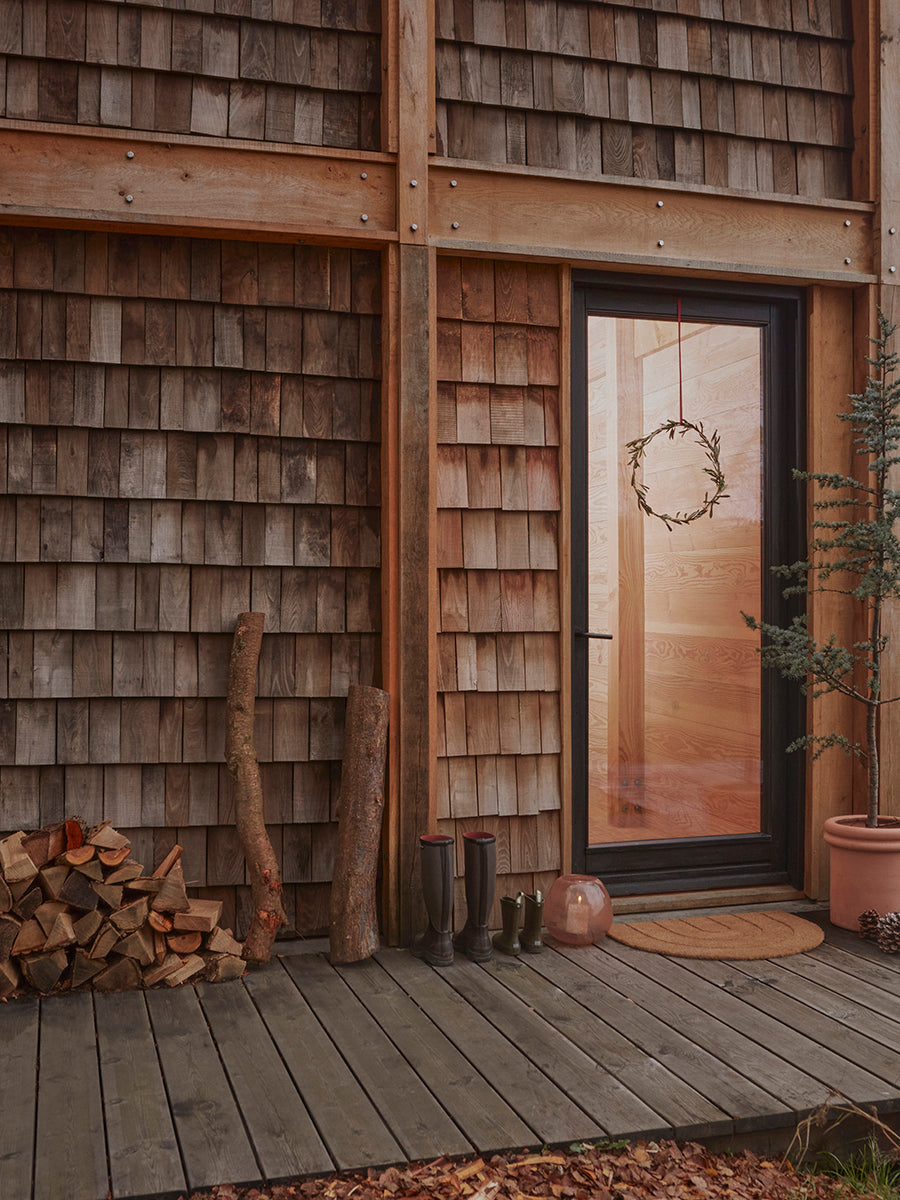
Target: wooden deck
302	1068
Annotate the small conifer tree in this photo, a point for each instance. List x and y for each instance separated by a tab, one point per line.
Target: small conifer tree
854	551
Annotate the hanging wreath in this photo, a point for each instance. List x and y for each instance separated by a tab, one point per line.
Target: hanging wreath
710	446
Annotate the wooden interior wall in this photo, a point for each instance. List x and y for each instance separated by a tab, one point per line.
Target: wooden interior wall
303	71
721	92
498	498
191	429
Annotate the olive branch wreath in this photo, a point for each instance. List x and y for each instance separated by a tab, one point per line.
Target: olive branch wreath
637	449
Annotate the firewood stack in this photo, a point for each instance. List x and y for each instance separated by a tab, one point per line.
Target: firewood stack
75	908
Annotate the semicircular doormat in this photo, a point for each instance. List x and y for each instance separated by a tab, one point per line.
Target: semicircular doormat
771	934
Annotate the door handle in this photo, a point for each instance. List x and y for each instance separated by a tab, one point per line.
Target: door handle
587	634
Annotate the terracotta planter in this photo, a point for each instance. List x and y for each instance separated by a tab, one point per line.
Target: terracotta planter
865	868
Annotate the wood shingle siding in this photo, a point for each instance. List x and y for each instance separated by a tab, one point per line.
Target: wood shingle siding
754	97
498	496
304	72
190	430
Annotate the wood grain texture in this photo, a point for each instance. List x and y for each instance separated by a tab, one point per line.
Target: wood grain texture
217	454
607	92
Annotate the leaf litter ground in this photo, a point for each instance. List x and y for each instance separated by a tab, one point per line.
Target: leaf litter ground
643	1171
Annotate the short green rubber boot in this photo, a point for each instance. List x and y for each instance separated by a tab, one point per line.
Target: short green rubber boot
530	937
507	941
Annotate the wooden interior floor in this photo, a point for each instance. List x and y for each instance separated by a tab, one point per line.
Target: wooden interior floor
302	1068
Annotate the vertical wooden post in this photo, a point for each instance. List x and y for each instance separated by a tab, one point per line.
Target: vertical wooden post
410	643
888	219
829	779
626	540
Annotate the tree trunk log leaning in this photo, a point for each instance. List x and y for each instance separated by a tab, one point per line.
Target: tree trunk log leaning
240	757
353	930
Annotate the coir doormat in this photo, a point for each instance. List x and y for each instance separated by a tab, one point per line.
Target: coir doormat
725	935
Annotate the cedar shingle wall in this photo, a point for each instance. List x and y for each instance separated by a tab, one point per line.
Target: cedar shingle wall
498	496
191	430
754	96
303	71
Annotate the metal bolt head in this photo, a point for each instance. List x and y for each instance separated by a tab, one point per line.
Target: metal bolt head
129	154
659	204
847	223
455	225
660	242
892	270
847	261
129	199
453	183
414	183
364	216
364	175
414	228
893	229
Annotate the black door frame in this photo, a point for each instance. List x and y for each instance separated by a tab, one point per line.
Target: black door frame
773	856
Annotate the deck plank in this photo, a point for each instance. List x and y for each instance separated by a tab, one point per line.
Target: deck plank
539	1102
875	974
283	1135
691	1043
689	1114
143	1151
349	1123
482	1114
18	1064
844	997
67	1163
213	1141
416	1119
617	1109
753	1024
864	1070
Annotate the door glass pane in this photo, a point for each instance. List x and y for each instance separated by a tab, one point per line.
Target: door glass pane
674	697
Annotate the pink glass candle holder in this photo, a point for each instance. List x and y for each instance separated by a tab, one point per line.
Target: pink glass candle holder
578	910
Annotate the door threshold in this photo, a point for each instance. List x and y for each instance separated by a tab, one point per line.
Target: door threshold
676	904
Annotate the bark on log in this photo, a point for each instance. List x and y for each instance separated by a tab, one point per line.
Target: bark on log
353	930
240	756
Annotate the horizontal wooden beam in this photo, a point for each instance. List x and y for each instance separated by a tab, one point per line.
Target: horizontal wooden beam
655	226
55	176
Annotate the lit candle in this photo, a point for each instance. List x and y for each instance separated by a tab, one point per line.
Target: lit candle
578	915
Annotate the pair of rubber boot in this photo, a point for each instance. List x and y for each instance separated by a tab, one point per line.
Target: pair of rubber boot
436	945
509	940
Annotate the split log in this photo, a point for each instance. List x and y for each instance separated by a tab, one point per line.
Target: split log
353	930
184	943
29	904
128	872
5	897
84	968
191	966
86	927
240	756
172	896
9	978
15	863
168	862
121	975
9	931
202	915
44	971
155	975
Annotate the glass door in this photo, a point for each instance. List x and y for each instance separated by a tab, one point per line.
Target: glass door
681	775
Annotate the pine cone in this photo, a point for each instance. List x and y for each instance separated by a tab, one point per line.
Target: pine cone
868	924
889	933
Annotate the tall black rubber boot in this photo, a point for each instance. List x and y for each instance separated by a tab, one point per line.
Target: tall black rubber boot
508	939
481	874
530	936
436	858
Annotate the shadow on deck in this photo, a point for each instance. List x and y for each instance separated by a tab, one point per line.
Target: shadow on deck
303	1069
